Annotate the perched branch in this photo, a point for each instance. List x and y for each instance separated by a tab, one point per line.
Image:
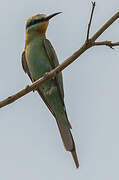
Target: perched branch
90	21
91	42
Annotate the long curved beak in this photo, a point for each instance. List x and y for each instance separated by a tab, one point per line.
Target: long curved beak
51	16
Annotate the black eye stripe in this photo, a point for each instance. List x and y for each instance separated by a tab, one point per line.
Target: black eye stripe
35	21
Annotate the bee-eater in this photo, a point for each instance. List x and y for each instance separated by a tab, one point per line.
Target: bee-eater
38	58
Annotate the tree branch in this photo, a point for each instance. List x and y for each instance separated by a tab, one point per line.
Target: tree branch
47	76
91	42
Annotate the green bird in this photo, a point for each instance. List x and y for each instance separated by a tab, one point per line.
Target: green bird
38	58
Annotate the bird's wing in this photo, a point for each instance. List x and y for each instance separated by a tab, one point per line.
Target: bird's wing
26	70
54	63
25	66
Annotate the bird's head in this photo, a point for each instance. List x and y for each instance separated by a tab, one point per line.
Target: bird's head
39	23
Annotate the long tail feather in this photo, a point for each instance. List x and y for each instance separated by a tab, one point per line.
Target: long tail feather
68	141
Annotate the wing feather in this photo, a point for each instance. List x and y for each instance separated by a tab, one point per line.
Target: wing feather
26	70
54	63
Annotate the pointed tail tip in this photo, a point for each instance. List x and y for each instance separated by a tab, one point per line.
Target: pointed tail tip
75	158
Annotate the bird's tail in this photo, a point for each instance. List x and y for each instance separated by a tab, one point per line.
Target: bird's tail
64	128
67	139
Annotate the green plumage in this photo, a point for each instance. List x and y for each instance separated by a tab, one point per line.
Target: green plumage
38	58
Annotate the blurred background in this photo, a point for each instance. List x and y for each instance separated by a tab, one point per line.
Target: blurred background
30	144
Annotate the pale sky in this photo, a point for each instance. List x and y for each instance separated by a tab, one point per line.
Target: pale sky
30	144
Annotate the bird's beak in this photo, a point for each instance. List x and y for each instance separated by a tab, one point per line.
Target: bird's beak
52	15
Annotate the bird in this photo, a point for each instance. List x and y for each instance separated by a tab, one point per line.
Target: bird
38	58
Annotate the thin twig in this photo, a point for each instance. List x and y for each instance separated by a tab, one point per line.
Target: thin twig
90	21
106	43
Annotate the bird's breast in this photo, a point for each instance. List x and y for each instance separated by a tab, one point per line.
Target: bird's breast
37	59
